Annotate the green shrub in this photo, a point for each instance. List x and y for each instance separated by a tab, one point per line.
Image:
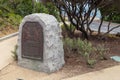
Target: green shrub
15	53
22	7
78	46
68	31
12	11
14	19
39	8
2	25
70	45
52	10
115	17
101	51
11	19
88	52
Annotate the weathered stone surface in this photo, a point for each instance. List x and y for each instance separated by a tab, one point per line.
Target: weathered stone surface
53	54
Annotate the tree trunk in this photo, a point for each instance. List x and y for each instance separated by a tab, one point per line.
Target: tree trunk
84	33
99	28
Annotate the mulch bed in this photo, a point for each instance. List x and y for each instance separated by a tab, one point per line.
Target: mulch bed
75	65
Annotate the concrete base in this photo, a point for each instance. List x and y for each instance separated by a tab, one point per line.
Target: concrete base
39	66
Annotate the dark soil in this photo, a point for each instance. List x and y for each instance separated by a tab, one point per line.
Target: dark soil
75	65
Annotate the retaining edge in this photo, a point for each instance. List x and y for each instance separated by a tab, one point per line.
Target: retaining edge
8	36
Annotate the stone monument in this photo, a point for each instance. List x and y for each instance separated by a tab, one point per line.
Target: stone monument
40	44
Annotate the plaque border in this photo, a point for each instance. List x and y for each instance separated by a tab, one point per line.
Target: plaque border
30	57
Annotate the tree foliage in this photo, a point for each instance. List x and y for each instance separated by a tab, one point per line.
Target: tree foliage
109	12
12	11
77	14
80	17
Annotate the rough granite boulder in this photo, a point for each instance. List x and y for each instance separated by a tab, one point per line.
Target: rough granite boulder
53	53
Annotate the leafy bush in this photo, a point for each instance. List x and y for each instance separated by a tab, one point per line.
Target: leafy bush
23	7
52	10
20	7
15	53
102	51
68	31
11	19
89	53
15	10
70	45
39	8
115	17
110	12
14	19
8	17
28	7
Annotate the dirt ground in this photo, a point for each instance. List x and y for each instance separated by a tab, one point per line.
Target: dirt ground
7	30
74	64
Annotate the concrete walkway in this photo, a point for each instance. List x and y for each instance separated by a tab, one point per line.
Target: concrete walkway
112	73
6	46
95	25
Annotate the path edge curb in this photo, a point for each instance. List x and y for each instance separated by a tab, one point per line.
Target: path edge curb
8	36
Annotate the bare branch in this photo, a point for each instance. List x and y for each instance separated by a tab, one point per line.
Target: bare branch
112	29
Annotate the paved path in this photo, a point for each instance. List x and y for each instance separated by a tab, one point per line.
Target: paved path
95	24
6	46
14	72
112	73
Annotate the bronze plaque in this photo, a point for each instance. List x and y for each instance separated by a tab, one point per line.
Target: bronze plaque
32	41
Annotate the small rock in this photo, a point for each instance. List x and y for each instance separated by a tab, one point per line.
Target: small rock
116	58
